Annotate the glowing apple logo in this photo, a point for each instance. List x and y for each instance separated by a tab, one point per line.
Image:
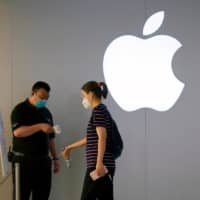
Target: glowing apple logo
139	72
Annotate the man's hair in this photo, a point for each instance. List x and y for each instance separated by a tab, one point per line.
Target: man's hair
41	85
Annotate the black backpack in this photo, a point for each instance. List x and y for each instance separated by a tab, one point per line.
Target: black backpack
116	141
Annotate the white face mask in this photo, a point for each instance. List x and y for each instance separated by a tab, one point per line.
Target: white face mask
85	103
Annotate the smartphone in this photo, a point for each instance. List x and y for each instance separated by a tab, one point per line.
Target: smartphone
95	176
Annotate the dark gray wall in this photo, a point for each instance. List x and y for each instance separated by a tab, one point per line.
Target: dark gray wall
63	42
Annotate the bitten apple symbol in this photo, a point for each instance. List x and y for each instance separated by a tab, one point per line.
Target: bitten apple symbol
139	72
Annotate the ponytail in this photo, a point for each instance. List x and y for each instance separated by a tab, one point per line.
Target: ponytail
104	89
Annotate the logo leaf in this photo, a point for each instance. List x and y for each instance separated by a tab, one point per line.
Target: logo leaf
153	23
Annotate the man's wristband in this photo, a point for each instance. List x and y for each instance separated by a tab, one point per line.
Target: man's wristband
55	158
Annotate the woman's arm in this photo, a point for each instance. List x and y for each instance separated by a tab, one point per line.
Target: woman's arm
102	136
67	150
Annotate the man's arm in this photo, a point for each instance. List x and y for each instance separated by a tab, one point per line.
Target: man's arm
52	148
55	159
25	131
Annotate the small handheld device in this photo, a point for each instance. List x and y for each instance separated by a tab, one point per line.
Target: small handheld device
57	129
95	176
68	163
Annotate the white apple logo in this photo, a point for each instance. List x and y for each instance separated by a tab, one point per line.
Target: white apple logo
139	72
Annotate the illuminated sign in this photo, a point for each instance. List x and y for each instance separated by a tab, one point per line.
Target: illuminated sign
139	71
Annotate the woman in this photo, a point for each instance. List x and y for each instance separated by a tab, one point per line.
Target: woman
98	144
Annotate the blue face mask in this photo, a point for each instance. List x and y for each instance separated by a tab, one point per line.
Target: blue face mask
41	103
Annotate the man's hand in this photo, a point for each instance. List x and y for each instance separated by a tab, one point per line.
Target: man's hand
46	128
56	166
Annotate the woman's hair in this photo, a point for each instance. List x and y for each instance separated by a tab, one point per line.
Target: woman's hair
98	88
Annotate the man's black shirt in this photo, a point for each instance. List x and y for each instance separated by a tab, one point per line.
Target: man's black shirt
25	114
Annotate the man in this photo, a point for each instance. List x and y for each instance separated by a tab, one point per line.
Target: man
33	137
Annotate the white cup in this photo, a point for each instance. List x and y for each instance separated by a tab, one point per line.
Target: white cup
57	129
68	164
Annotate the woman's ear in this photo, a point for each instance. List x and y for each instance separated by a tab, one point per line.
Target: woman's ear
90	95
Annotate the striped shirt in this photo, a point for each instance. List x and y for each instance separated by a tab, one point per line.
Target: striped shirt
100	118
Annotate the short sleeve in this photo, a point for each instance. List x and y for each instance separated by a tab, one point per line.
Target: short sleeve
99	119
48	113
17	117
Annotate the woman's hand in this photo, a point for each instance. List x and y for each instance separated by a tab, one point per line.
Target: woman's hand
66	153
67	150
100	169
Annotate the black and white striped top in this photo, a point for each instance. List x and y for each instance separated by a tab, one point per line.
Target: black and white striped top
100	118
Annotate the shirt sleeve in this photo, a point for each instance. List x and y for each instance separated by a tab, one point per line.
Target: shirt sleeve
51	135
17	118
99	119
